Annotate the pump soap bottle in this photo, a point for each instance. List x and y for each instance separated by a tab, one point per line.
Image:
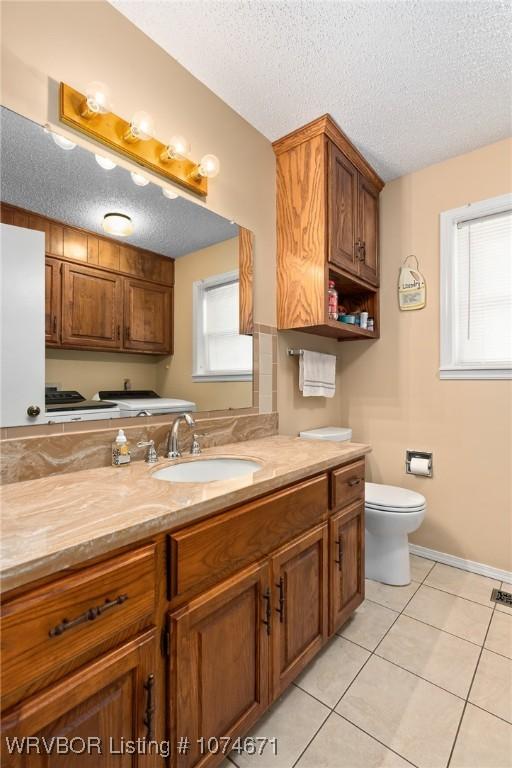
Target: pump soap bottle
120	450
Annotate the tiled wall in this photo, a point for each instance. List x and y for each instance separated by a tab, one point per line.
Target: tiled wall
27	453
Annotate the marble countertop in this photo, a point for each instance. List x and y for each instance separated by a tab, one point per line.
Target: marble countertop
56	522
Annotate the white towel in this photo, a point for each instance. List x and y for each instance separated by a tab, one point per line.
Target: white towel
317	374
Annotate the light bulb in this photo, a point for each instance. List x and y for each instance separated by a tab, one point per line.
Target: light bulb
178	148
168	193
97	100
118	224
62	142
141	127
209	166
139	179
105	162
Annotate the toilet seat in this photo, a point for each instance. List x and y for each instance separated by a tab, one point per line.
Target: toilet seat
390	498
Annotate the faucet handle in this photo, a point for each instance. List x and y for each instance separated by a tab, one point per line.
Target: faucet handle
151	454
195	448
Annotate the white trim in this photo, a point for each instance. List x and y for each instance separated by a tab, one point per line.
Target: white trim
459	562
475	373
448	369
205	377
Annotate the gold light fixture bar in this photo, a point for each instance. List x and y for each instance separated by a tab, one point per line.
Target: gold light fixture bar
109	129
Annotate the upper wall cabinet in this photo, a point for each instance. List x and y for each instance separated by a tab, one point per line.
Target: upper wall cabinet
327	229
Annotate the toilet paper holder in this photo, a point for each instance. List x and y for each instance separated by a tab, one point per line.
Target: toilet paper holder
418	455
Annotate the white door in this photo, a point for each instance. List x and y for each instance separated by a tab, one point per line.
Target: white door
21	326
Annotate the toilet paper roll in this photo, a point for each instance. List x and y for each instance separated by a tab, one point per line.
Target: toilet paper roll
419	466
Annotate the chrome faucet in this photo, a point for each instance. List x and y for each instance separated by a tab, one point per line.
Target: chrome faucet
173	450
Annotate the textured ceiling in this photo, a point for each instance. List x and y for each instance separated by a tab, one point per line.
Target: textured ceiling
70	186
411	82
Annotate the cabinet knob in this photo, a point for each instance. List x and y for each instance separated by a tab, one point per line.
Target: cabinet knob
33	410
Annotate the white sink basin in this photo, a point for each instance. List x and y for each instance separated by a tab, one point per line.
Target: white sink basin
207	470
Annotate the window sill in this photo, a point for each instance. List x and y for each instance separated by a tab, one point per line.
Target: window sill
198	378
462	374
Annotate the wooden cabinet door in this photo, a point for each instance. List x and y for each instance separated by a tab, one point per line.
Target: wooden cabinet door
368	226
342	217
300	621
147	317
110	699
346	563
219	663
52	310
91	307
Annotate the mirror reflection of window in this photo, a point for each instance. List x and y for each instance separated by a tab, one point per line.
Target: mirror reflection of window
220	352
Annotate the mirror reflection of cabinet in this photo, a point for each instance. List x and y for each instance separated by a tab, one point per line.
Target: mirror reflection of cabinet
91	304
147	317
52	301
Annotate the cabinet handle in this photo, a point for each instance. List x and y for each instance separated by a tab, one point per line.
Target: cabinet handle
149	687
280	610
354	481
363	251
89	615
33	411
359	245
118	332
54	324
268	610
127	331
339	561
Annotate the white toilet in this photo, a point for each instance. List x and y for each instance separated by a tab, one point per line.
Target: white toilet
391	514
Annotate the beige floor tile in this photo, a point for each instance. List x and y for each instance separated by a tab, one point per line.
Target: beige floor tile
499	637
293	720
462	583
453	614
492	686
435	655
339	744
420	567
368	624
390	597
330	674
404	712
483	741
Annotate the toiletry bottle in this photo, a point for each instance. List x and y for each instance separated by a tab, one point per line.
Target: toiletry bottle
333	301
120	450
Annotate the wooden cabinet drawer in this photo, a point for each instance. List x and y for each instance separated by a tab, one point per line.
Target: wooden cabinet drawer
54	628
208	552
347	484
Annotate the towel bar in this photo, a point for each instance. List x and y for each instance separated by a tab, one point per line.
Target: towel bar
295	352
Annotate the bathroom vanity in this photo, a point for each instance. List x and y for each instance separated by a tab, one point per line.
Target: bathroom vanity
164	611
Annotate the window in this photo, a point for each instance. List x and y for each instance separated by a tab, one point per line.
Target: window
476	290
220	352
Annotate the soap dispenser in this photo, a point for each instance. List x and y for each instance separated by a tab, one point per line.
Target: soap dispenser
120	450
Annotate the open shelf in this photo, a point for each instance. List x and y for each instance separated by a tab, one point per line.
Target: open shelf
341	331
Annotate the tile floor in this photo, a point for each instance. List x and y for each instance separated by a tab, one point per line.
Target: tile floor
420	675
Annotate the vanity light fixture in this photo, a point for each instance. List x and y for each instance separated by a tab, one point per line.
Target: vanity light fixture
169	194
139	179
97	100
141	128
118	224
91	114
208	167
178	148
106	163
62	142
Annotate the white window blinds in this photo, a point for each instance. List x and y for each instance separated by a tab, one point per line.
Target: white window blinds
220	351
483	292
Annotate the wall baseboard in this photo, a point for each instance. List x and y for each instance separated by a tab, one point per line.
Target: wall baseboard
460	562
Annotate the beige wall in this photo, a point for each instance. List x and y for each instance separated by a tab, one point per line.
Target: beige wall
89	371
390	392
175	373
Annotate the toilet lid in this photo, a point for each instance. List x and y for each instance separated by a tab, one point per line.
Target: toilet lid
392	497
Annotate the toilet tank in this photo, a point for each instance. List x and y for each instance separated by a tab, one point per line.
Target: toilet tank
336	434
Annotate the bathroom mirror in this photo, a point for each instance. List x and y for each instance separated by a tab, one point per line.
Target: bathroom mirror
141	300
